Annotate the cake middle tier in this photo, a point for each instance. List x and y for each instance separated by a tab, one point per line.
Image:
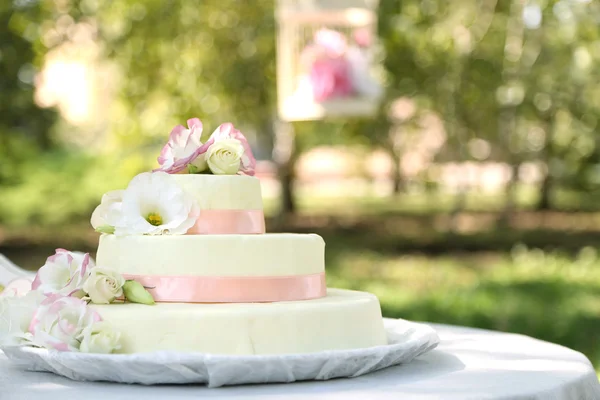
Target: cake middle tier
272	254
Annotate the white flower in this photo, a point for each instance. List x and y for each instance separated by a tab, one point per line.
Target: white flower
16	314
100	337
154	204
63	273
224	156
228	131
106	215
58	323
103	285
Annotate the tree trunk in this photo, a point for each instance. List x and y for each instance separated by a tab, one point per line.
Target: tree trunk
284	155
397	179
507	118
544	202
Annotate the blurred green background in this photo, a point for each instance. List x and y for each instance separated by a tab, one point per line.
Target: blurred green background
472	198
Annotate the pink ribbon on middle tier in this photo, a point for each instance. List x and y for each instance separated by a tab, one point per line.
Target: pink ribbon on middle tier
215	222
234	289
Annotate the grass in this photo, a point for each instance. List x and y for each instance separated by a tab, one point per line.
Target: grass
553	296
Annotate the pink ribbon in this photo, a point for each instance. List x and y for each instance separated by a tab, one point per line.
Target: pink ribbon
214	222
224	289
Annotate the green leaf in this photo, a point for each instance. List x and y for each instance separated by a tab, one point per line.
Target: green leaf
106	229
136	293
192	169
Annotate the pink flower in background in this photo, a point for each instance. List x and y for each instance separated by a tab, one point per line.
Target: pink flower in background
63	273
330	78
333	42
59	322
329	70
363	37
183	148
228	131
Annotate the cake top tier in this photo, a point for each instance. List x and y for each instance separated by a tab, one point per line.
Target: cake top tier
222	192
199	188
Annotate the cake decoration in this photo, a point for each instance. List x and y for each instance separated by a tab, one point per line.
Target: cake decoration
74	274
64	273
63	323
226	152
56	314
152	204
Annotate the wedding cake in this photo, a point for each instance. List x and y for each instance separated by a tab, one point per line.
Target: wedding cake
184	264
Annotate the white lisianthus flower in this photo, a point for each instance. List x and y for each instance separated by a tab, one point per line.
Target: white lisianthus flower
100	337
59	322
103	285
155	204
106	215
16	314
63	273
224	156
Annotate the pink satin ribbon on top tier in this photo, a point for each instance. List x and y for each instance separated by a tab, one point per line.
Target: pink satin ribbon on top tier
224	289
216	222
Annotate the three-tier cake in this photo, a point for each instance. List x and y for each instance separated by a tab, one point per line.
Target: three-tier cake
184	264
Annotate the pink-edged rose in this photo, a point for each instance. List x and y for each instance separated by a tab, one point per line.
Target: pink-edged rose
59	323
64	273
183	148
226	132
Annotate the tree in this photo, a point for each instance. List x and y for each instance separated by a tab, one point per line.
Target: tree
25	128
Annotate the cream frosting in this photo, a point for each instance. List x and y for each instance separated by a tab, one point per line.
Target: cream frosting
343	319
274	254
222	192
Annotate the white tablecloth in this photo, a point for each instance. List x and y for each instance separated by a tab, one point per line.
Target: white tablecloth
468	364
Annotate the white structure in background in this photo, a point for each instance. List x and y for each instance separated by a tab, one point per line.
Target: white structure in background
325	59
76	81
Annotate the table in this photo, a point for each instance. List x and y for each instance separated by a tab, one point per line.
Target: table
468	364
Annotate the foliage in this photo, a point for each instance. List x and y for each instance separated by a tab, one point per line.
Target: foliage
518	75
211	59
25	129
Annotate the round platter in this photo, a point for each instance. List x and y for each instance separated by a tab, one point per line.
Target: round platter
407	340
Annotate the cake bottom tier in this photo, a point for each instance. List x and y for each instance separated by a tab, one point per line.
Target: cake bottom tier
343	319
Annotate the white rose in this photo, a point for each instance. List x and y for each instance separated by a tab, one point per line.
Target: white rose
224	156
103	285
100	337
